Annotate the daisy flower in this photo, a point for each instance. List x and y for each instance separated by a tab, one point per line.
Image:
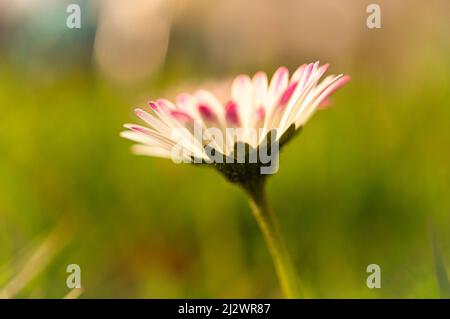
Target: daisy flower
255	104
265	113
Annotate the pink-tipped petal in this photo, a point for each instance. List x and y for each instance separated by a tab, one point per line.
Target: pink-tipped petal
307	74
278	84
260	77
138	128
207	98
153	106
184	101
206	112
324	68
280	78
231	113
260	113
297	75
339	83
151	120
320	71
142	114
166	104
328	89
325	103
287	94
181	116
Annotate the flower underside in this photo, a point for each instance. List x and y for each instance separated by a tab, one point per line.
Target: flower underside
242	170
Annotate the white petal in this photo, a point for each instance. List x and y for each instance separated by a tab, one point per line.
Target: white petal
208	99
260	85
296	76
328	87
143	139
152	121
307	82
241	94
151	151
278	85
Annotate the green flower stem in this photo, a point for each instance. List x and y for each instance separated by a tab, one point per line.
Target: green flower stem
269	226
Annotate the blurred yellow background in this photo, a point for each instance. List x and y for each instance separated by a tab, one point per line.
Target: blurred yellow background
361	184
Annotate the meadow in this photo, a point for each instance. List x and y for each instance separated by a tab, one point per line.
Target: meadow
367	181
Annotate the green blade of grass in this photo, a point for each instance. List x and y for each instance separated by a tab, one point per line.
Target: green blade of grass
439	264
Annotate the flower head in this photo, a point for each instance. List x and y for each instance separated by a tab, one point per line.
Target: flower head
257	108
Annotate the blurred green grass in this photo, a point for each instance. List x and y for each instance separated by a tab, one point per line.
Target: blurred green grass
358	186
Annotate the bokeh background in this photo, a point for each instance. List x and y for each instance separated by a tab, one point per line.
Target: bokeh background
367	181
